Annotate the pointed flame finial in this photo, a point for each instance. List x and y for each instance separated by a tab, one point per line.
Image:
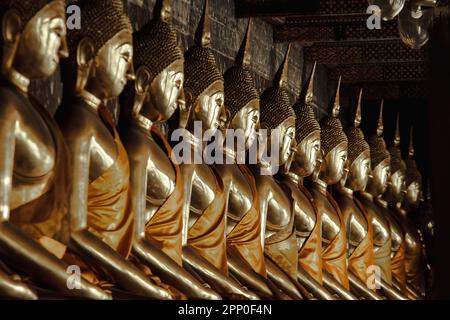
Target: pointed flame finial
162	11
358	116
411	143
380	127
397	131
282	73
244	55
337	98
203	34
310	89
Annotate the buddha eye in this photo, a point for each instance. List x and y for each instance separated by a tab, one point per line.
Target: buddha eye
126	56
59	31
178	84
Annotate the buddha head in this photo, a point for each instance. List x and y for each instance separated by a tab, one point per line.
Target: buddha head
204	84
242	98
380	160
101	52
277	115
358	154
396	183
159	67
334	144
413	179
307	131
34	37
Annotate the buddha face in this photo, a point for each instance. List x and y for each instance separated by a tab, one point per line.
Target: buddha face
333	165
209	106
396	184
162	99
286	139
247	120
307	153
359	171
412	195
42	42
380	176
113	66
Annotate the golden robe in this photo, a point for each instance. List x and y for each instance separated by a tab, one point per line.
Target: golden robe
207	235
110	213
382	254
398	267
42	218
165	227
281	247
246	234
309	255
334	256
363	256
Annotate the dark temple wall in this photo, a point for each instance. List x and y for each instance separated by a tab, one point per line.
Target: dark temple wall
227	33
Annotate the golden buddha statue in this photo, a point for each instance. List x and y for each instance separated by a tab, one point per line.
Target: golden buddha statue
101	209
334	242
357	220
245	251
410	252
204	245
415	257
377	184
33	167
307	219
277	218
419	212
387	203
157	188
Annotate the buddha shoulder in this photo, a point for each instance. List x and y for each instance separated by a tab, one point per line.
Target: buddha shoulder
34	145
81	123
305	214
144	150
279	205
240	198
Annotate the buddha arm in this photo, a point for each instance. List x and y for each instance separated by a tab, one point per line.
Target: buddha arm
275	274
349	212
123	272
16	246
359	288
390	291
11	289
218	281
158	261
310	284
7	139
334	286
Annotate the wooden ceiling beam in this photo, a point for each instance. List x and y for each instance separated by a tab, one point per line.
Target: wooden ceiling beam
274	8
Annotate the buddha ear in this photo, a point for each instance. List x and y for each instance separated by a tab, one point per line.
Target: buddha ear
85	59
85	53
11	28
142	81
227	117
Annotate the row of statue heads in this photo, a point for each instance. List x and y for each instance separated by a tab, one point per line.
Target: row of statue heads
112	206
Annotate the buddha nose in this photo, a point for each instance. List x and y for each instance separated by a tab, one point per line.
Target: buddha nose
64	49
130	74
